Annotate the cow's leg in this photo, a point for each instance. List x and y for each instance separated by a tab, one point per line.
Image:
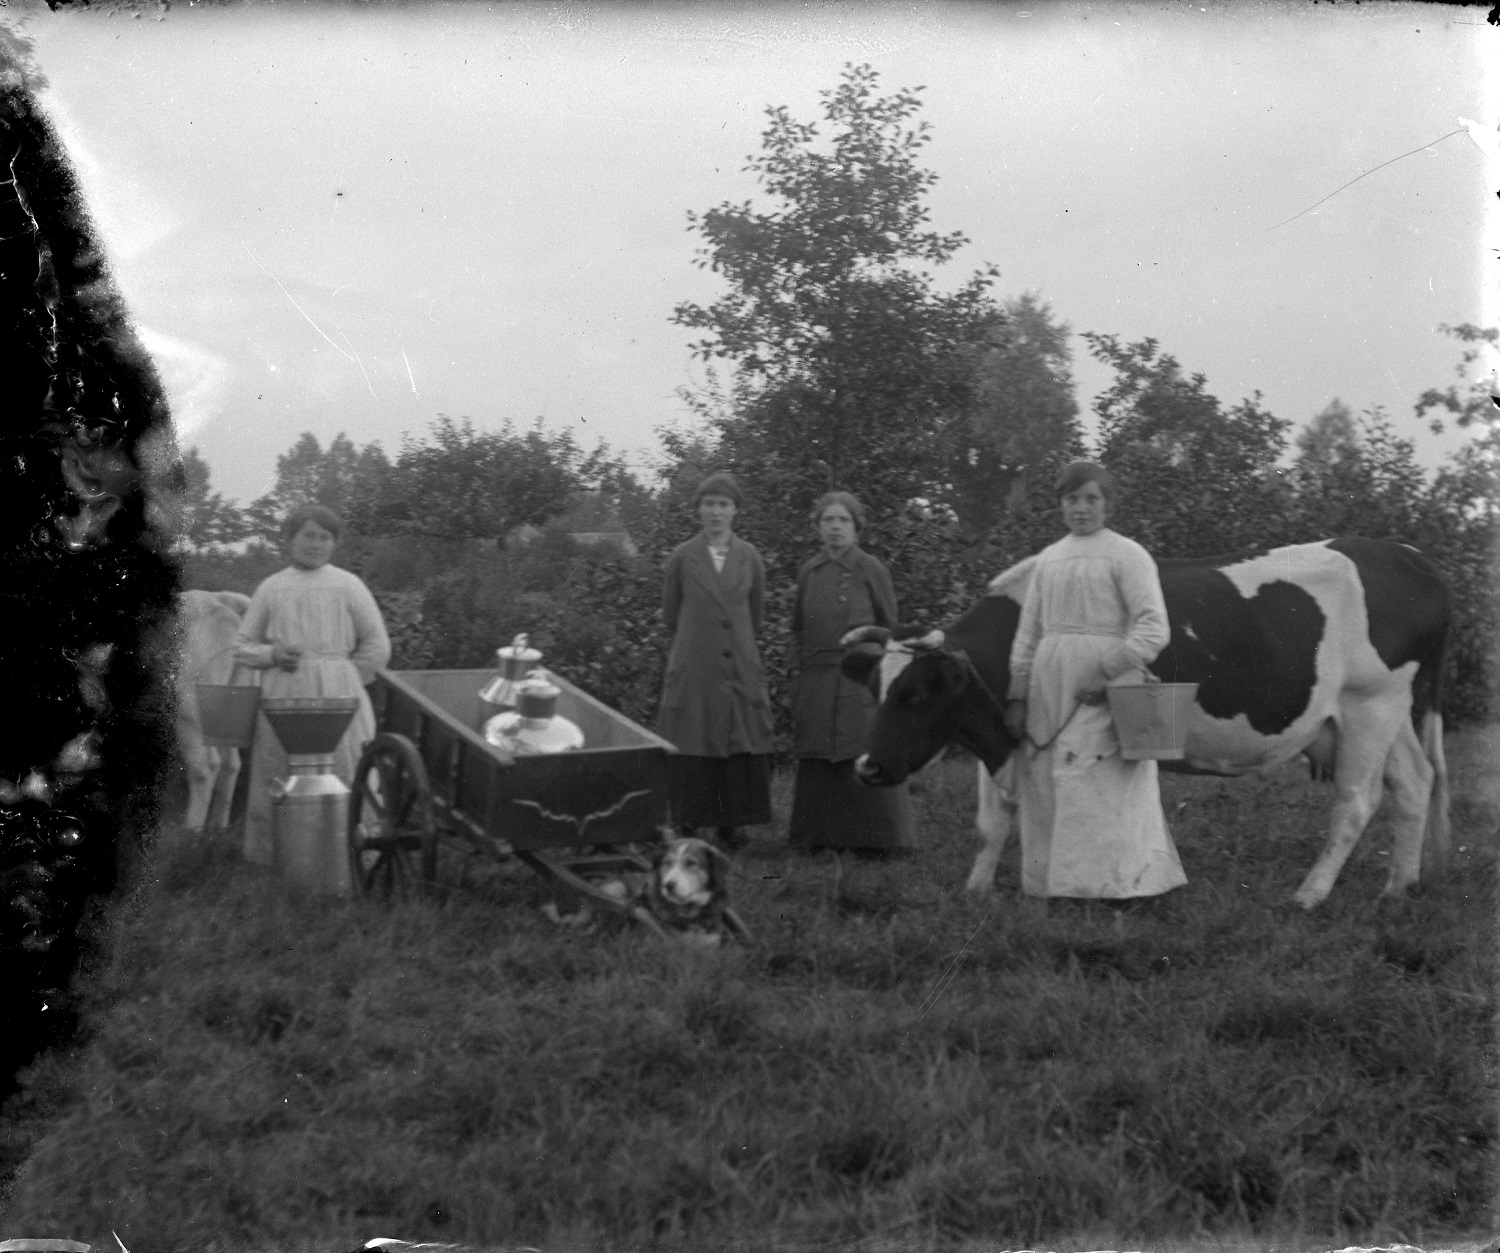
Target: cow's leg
202	765
223	789
1369	729
1436	844
993	819
1409	780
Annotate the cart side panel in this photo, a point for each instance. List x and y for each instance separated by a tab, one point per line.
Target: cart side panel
579	798
474	797
601	794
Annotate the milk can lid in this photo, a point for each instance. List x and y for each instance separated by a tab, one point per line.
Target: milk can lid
518	650
536	698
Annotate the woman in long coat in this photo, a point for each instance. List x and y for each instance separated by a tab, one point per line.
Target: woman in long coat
714	703
314	630
1091	822
843	587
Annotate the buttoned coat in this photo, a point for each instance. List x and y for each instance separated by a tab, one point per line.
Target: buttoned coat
714	701
834	595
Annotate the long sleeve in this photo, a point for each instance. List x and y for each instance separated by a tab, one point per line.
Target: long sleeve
882	593
757	592
250	648
799	602
372	650
1146	630
671	592
1028	634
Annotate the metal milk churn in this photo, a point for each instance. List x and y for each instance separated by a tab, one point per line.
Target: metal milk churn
499	694
534	726
310	808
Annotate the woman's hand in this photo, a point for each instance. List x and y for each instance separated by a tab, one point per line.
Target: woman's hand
286	656
1015	718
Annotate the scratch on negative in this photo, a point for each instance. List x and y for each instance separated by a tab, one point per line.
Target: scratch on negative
409	373
358	362
1368	172
946	981
295	305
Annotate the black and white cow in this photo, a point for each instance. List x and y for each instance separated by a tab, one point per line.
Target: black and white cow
1333	650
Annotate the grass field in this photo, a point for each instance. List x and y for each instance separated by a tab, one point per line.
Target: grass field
1218	1066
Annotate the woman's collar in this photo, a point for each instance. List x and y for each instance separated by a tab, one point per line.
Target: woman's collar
845	558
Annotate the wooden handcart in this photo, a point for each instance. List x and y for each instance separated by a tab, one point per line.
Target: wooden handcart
431	795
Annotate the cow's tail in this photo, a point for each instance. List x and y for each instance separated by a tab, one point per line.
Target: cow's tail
1437	837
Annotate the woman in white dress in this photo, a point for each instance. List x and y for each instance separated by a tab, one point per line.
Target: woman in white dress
314	630
1091	822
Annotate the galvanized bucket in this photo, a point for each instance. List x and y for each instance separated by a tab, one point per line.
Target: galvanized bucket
1151	719
227	714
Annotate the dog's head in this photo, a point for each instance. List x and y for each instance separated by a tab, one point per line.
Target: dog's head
690	876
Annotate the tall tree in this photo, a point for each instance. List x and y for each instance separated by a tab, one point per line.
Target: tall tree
308	474
1022	417
461	483
1463	523
204	516
847	363
1330	436
1357	479
1471	406
1197	479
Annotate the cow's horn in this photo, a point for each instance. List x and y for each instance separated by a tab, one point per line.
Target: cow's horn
933	639
865	635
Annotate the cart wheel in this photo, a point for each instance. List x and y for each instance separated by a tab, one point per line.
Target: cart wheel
390	819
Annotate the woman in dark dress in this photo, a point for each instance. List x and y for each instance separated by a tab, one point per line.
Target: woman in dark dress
840	589
714	704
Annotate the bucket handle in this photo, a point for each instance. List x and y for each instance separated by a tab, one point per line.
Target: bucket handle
198	673
1077	705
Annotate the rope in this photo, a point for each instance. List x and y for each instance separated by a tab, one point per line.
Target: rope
1025	736
1038	748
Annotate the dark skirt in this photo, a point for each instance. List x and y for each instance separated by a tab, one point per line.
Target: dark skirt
833	809
732	791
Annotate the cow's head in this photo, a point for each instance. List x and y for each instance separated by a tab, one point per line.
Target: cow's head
929	696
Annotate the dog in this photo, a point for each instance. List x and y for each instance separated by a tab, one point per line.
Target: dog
688	890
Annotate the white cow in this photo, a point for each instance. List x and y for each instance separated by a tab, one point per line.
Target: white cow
209	622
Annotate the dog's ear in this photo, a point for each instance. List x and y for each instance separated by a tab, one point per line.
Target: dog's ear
719	863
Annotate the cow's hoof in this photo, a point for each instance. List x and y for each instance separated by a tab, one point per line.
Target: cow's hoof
979	887
1395	898
1309	898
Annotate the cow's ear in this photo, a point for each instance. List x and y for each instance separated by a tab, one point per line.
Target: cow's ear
859	662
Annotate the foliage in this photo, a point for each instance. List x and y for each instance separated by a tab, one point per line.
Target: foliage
1208	1068
1196	479
1474	408
464	483
848	363
1359	478
1022	415
1330	435
310	474
204	517
456	483
228	571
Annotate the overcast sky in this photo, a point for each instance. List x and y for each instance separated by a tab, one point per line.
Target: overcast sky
332	218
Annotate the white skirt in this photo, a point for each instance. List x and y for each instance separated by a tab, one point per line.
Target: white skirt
1091	822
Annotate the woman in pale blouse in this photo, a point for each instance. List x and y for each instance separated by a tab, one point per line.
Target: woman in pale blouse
313	629
1091	822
